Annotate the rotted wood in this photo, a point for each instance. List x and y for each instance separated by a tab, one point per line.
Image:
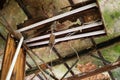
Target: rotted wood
34	20
19	69
85	16
17	36
94	72
80	53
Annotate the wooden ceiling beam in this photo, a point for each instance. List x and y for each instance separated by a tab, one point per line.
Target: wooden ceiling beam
95	72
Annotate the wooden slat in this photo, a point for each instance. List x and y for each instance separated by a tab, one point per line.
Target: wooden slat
19	69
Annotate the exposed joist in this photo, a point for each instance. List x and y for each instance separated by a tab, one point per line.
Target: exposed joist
95	72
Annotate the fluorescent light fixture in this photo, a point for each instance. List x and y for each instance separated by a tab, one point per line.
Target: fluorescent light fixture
68	38
57	17
65	31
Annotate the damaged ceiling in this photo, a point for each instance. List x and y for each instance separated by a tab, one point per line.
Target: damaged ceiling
70	57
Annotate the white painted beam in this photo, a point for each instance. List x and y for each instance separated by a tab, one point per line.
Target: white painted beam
14	59
68	38
58	17
65	31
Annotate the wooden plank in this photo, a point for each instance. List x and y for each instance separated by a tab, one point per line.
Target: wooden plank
19	69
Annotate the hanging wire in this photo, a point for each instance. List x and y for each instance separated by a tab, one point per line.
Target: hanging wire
51	45
39	66
52	42
74	51
36	64
41	60
70	34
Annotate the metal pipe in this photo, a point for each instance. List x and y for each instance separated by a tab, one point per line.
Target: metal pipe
57	17
65	31
68	38
14	59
